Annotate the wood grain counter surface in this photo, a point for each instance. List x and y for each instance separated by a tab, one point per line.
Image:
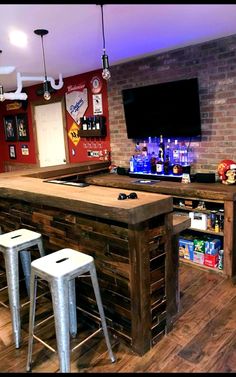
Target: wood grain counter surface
211	191
91	200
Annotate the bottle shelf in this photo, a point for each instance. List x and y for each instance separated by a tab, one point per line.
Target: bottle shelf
92	133
92	126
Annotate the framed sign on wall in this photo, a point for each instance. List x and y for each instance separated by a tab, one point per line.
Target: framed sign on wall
12	151
22	127
10	128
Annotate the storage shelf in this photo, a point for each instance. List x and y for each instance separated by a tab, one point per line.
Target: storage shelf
201	266
207	231
207	211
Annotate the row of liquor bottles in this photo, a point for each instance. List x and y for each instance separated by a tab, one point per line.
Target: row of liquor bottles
160	157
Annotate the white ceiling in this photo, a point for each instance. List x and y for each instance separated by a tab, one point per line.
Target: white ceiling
74	42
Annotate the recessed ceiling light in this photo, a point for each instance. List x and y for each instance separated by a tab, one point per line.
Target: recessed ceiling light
18	38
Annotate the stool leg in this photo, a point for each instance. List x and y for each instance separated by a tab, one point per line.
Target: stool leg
60	300
12	273
72	308
40	247
33	294
101	311
25	257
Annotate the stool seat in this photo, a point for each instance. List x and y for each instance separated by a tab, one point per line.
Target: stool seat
60	269
14	244
73	261
19	239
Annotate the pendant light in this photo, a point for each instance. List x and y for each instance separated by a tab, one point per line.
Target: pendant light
105	62
2	97
46	94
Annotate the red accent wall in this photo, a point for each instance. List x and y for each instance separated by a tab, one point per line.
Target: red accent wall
77	153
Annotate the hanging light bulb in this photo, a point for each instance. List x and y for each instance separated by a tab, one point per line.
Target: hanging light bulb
105	62
46	94
2	97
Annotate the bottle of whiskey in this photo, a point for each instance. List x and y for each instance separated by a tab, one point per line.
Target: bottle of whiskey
160	163
153	161
167	164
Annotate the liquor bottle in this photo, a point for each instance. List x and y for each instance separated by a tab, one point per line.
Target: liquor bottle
169	151
160	163
137	148
97	122
89	123
153	161
84	123
161	147
183	154
167	164
177	168
146	165
176	153
144	149
132	164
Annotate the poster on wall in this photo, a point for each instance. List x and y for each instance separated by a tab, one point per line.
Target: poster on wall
97	104
10	128
77	102
22	127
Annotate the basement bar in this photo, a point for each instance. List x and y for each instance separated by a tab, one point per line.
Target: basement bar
130	240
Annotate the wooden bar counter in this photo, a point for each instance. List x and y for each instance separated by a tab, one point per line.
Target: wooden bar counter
130	240
212	193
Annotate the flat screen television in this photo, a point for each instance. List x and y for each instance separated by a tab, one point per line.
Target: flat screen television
171	109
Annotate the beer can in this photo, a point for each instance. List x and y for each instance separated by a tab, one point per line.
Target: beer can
213	219
221	260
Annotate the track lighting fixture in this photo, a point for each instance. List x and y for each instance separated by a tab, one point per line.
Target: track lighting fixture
105	62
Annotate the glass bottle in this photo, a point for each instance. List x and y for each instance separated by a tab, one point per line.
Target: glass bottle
144	149
160	163
153	161
161	147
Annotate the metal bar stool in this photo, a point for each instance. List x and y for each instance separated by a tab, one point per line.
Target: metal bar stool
12	243
60	269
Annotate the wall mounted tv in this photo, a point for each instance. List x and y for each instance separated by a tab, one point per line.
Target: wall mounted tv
171	109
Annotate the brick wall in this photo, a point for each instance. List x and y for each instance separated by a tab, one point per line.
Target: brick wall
214	63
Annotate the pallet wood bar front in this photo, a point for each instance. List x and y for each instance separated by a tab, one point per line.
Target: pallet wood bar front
130	240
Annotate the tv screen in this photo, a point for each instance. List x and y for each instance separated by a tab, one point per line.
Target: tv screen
171	109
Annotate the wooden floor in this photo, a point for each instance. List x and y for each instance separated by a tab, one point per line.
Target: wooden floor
203	338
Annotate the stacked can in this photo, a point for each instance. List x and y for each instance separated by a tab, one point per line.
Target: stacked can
221	260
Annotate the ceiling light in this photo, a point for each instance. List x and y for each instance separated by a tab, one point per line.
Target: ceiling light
18	38
105	62
46	94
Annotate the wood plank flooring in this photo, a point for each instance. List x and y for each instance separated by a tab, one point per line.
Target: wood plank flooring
203	338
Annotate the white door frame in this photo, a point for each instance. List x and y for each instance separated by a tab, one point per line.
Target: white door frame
43	102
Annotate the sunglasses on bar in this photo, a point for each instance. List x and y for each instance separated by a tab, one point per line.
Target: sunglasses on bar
123	196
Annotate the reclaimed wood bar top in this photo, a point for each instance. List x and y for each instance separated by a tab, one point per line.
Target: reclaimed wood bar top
91	200
211	191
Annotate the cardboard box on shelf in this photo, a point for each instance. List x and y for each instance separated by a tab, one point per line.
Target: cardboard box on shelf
198	220
199	245
211	260
198	257
186	247
212	246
